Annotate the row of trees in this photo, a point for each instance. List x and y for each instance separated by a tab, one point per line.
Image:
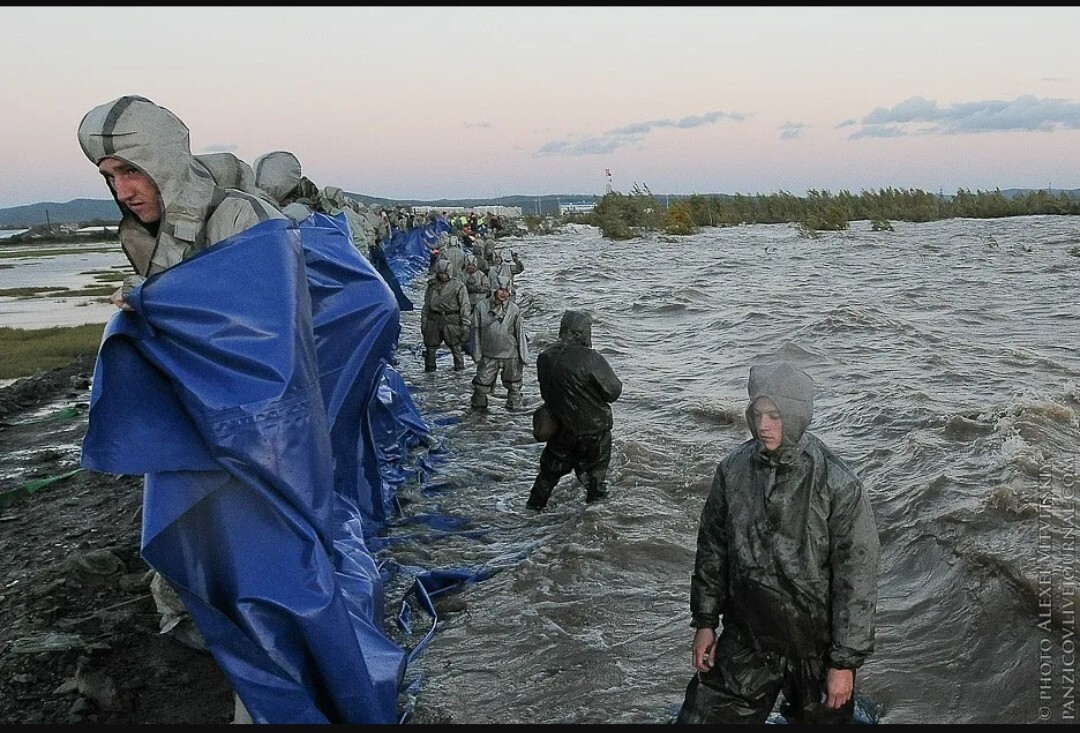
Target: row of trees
622	216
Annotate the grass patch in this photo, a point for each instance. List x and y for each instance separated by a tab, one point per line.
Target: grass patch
31	292
93	290
59	292
23	253
25	352
109	276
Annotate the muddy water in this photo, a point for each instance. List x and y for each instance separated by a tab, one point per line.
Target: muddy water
945	357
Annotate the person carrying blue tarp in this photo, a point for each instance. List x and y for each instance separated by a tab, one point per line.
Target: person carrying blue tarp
213	382
279	175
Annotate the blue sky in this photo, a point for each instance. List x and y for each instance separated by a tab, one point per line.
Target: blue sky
464	102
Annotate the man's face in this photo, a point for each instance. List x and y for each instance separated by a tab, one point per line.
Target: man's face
133	188
501	294
767	422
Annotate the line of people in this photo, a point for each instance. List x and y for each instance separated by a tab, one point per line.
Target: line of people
787	548
469	306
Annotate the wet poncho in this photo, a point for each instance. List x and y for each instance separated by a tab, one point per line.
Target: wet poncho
576	381
279	174
787	548
500	327
445	315
477	282
229	171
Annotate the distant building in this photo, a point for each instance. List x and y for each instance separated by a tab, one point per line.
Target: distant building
97	230
509	212
580	207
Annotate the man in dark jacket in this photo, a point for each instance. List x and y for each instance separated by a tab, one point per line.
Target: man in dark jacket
578	386
787	556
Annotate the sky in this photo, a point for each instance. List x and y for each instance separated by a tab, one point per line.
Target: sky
455	102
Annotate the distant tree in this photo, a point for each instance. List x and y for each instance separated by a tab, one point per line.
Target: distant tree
677	219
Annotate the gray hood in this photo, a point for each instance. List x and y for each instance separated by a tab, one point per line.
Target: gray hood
154	140
576	327
278	174
443	265
229	171
793	392
503	280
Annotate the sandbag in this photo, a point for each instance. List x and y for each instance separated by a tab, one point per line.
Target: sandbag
544	424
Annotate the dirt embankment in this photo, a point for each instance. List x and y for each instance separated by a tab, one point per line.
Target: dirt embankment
79	636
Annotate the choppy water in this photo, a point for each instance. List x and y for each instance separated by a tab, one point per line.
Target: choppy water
947	376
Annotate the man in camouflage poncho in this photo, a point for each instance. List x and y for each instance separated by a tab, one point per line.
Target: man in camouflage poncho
787	558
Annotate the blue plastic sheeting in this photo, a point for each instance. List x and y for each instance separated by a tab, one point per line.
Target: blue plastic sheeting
426	587
357	324
214	390
378	258
397	427
409	253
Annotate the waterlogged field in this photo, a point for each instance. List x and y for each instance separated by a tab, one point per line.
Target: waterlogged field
59	285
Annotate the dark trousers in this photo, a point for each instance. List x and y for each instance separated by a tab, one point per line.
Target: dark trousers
586	454
744	684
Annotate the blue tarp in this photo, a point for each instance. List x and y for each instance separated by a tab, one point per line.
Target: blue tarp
357	324
214	388
255	387
409	252
378	258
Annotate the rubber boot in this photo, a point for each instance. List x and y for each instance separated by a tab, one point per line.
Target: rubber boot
459	357
513	397
595	490
540	493
429	358
479	399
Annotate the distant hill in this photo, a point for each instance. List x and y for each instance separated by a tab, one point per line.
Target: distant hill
86	210
80	211
73	212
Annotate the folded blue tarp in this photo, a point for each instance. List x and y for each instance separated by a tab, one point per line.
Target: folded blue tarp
357	324
409	253
378	258
214	388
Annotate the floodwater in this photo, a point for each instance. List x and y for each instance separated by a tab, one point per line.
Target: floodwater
948	377
69	267
947	372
